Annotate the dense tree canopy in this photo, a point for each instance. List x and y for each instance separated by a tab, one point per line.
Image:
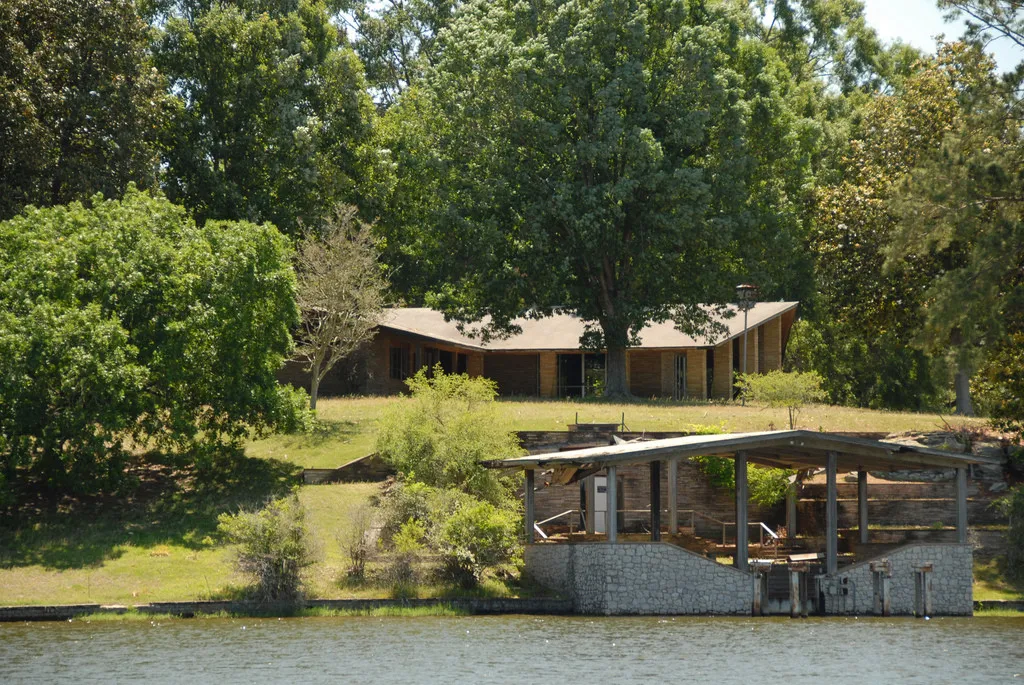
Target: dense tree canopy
126	323
272	111
618	158
80	104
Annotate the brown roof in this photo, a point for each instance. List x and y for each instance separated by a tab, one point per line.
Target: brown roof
563	331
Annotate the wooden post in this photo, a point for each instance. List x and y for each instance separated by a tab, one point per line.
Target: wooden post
791	512
862	505
613	505
740	560
528	497
831	516
655	501
673	496
961	505
591	505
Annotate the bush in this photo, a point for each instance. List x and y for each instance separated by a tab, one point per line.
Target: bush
408	545
779	389
441	434
125	323
475	537
274	546
1012	506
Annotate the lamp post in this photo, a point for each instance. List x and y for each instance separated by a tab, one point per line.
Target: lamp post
746	298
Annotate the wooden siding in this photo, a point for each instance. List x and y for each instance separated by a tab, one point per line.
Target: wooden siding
772	344
645	373
668	374
722	389
515	374
696	374
548	374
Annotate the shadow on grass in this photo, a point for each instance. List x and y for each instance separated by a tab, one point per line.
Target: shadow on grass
167	506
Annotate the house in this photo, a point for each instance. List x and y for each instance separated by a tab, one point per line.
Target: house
545	359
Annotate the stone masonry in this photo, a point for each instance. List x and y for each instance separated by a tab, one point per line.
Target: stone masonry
950	581
649	578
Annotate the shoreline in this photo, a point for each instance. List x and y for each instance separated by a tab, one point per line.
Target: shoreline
340	607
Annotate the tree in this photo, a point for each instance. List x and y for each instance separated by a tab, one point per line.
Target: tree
398	41
125	325
616	158
271	111
866	317
960	208
341	289
80	104
779	389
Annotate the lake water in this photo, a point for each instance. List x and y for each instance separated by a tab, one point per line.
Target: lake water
517	649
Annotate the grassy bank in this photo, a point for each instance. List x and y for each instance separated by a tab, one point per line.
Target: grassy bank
349	425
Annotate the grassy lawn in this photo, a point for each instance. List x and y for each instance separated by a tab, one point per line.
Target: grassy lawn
350	424
990	582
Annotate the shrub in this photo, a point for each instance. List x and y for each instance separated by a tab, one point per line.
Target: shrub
274	546
125	323
780	389
441	434
475	537
408	545
356	544
1012	506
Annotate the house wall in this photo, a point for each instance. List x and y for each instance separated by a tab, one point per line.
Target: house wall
646	578
668	374
515	374
645	373
696	374
548	374
723	372
772	331
752	366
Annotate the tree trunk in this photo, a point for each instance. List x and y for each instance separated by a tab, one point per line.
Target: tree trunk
314	384
616	383
962	383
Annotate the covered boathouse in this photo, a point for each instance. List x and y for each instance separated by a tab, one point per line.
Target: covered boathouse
604	571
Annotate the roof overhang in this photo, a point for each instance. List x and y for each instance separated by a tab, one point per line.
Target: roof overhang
793	449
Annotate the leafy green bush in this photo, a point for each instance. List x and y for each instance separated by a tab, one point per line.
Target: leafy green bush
125	323
791	390
475	537
1012	506
441	434
274	546
765	485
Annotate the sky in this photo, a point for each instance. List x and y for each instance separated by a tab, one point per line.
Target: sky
917	22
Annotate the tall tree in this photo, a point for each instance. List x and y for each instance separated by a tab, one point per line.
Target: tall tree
613	157
398	41
272	111
962	207
80	104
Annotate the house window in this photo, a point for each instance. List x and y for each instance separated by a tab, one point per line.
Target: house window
461	364
399	367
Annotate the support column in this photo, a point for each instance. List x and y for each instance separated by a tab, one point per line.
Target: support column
862	505
791	511
591	505
831	516
673	496
613	505
740	560
528	497
655	501
961	505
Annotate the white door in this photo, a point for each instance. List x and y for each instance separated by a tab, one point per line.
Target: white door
600	504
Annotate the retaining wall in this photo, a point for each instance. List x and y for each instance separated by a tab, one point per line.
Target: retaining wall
950	583
650	578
